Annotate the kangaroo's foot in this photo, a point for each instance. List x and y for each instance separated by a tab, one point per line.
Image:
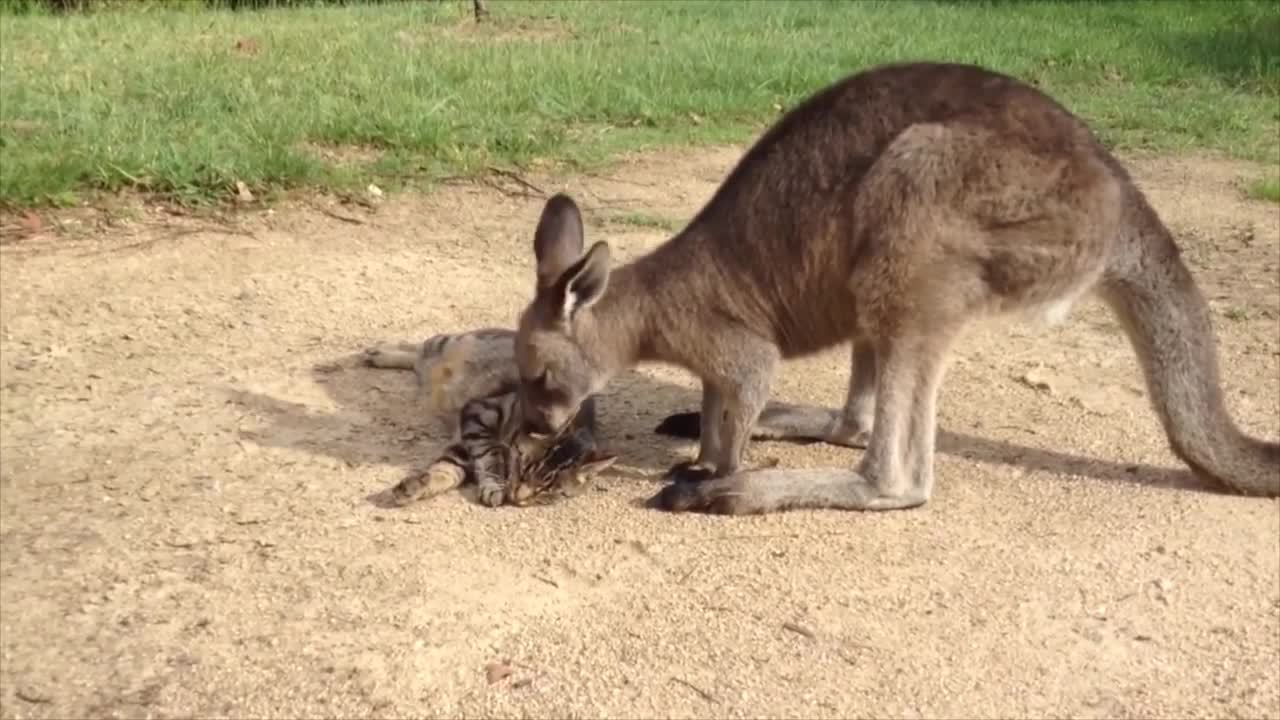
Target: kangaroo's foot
771	490
851	437
689	471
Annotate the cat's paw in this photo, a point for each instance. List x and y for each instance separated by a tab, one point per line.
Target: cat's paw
439	478
490	496
375	356
389	356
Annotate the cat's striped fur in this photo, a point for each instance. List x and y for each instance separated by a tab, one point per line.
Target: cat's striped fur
474	373
452	369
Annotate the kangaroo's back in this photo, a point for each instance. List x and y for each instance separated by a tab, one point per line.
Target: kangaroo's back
782	231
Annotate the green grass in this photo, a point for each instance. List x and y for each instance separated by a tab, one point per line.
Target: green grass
161	100
1266	189
1237	314
646	220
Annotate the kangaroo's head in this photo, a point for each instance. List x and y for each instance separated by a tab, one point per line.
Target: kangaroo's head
557	368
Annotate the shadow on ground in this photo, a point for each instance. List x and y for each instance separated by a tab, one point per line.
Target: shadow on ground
1243	53
379	422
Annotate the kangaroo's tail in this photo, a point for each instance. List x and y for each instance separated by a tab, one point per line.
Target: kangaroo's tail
1167	320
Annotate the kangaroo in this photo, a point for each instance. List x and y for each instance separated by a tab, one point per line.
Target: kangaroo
888	210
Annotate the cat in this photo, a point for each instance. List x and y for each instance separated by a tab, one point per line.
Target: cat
471	380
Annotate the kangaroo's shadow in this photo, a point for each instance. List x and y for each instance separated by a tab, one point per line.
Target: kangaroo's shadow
379	420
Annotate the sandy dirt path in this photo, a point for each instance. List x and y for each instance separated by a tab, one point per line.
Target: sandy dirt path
189	444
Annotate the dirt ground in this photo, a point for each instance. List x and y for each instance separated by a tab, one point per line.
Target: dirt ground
190	443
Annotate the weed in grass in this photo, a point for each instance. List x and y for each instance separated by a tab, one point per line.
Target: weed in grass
646	220
1265	189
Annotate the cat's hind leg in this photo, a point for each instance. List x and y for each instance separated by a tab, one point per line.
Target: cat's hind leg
393	356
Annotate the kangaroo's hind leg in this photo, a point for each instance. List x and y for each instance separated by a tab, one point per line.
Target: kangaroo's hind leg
898	464
852	428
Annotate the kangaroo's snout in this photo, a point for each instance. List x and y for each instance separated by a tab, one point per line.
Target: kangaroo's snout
536	423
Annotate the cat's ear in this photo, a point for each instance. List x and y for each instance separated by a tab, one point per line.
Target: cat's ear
596	463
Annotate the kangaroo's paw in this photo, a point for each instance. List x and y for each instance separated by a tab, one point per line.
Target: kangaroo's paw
852	438
689	471
713	497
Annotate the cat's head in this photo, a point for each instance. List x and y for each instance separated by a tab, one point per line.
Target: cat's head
554	467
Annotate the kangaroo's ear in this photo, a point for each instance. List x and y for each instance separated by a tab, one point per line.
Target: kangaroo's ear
585	281
557	243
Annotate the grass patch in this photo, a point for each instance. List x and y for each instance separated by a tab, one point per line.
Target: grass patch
184	101
646	220
1236	314
1266	189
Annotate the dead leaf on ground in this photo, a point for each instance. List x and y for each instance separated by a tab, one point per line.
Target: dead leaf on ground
1037	379
498	671
33	695
24	126
798	629
31	223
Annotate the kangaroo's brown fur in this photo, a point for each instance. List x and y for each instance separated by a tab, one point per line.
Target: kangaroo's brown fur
888	210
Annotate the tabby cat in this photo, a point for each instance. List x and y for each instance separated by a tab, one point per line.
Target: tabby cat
454	368
506	466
